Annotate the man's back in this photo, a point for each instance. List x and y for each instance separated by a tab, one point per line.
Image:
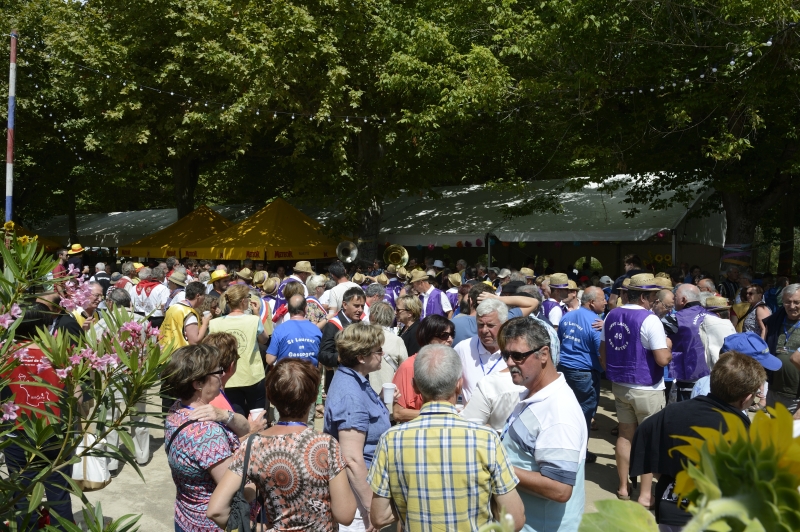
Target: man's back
441	471
296	339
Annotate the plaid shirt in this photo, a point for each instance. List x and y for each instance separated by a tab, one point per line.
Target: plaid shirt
441	470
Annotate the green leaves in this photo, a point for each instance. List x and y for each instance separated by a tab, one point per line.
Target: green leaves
618	516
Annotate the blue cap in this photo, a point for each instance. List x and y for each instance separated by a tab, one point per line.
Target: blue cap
752	345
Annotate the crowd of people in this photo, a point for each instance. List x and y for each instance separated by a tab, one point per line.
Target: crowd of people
445	394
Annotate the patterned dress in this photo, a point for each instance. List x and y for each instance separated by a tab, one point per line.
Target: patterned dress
293	471
194	451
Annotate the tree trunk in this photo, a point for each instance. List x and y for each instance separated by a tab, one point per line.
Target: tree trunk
185	174
369	153
72	218
786	253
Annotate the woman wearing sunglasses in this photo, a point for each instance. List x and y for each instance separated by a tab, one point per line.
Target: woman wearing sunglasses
752	320
434	329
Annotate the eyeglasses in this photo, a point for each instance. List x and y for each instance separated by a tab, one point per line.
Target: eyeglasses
519	357
398	309
218	372
445	335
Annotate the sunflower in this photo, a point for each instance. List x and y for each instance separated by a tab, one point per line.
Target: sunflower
8	226
24	240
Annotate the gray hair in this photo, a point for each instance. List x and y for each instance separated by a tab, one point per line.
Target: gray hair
127	268
170	262
381	313
159	273
703	296
119	297
204	277
145	273
461	262
690	292
437	370
375	289
708	282
493	305
531	289
790	290
179	269
314	281
590	295
516	276
100	267
534	331
330	284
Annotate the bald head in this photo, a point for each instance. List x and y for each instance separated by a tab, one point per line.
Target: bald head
296	306
594	299
686	293
707	285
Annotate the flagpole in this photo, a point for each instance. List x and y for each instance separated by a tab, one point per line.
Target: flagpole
12	104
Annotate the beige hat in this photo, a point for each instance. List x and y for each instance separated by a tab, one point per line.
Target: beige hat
382	280
358	278
271	285
644	282
527	272
663	282
559	280
505	272
572	285
625	283
418	275
245	274
717	303
179	278
455	279
303	266
402	273
392	269
260	277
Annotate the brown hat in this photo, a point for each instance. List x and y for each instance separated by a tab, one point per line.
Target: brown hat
358	278
402	273
559	280
303	266
663	282
245	274
179	278
717	303
271	285
418	275
218	275
382	280
527	272
260	277
391	269
455	279
644	282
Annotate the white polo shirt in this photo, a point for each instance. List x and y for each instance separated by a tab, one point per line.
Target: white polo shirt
477	362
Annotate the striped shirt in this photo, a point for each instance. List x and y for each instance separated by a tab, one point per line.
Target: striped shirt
441	471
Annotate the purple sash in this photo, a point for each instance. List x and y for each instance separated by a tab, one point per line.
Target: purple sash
688	354
627	361
392	291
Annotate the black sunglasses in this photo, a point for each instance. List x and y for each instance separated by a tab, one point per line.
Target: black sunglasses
218	372
445	335
519	357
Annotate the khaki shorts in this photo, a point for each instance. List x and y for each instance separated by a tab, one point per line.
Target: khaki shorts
634	406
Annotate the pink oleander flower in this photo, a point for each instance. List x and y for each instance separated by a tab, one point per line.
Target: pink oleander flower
20	354
76	358
9	411
68	304
43	365
88	353
132	327
6	320
154	332
16	311
62	373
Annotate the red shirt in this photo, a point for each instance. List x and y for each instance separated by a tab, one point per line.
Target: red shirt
34	395
402	379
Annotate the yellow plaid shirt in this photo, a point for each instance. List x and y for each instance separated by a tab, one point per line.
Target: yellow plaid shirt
441	471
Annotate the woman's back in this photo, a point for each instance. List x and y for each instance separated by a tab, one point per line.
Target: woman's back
292	471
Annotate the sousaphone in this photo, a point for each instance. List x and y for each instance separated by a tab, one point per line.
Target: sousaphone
396	254
347	252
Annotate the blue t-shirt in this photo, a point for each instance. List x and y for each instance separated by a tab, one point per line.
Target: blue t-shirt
467	326
580	343
295	339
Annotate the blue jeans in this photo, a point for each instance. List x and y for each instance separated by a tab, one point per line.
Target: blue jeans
586	386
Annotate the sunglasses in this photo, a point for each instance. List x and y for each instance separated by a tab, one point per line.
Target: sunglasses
519	357
445	335
218	372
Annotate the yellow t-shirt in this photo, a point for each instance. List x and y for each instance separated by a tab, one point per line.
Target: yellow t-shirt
245	328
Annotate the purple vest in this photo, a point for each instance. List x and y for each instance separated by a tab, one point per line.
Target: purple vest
279	299
688	354
548	305
434	305
627	361
452	297
392	290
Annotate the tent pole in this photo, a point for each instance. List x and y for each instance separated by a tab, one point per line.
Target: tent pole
674	247
489	250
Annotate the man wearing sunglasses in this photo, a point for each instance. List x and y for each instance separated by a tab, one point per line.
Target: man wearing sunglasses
545	437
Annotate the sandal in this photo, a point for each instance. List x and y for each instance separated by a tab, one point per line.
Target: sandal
625	497
593	425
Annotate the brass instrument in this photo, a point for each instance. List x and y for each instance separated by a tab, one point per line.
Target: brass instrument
347	252
395	254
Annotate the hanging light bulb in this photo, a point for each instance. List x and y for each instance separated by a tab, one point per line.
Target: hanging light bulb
750	52
640	91
171	93
329	118
347	119
258	112
384	118
674	84
206	104
292	116
769	41
365	119
661	87
686	80
311	118
274	115
652	89
733	61
714	69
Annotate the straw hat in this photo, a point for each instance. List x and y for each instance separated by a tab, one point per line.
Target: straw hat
245	274
358	278
663	282
717	303
259	278
75	249
179	278
137	266
572	285
382	280
418	275
391	269
625	283
455	279
218	275
271	285
402	273
527	272
559	280
303	266
644	282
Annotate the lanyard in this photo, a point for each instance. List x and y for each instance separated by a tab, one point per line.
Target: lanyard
291	423
480	359
788	332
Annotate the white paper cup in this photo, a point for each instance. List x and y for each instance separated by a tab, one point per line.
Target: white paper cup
254	413
388	393
206	313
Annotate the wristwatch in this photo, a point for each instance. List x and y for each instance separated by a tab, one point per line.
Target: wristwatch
230	418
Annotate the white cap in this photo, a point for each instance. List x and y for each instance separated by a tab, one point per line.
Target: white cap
438	264
606	280
505	272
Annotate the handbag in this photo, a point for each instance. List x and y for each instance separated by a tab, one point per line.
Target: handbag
91	473
239	519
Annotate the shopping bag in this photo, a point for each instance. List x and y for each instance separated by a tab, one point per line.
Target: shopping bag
91	473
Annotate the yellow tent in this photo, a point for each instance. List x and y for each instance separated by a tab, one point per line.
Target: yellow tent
199	223
276	232
46	243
